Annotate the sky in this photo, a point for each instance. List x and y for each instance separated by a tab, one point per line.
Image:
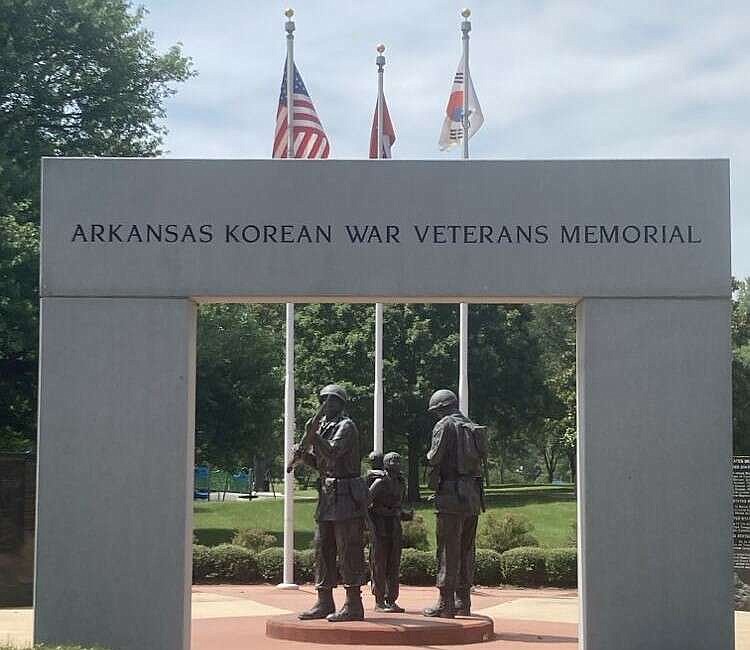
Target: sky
555	79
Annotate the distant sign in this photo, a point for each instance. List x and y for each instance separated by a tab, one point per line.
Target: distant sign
741	486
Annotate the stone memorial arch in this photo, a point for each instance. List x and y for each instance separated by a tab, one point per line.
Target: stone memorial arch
129	247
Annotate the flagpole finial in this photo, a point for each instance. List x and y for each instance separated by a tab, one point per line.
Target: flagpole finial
466	23
289	26
380	59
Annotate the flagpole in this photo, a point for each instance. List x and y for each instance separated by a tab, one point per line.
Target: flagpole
289	13
465	29
463	354
289	419
378	396
378	415
380	62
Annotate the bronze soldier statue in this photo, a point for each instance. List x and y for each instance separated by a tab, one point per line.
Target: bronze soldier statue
331	445
377	471
459	447
387	490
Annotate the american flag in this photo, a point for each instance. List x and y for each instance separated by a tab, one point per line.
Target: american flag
310	140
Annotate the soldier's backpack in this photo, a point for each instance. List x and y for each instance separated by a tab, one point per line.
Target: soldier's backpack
471	447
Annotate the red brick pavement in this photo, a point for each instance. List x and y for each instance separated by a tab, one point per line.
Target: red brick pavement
248	632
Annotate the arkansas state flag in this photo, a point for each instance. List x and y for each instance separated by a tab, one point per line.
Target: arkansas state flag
389	135
453	131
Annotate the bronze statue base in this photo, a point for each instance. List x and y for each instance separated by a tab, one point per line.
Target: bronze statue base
410	628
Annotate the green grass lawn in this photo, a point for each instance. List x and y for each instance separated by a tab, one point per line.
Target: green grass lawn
552	510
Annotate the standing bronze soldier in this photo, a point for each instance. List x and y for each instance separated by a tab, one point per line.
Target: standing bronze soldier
331	445
387	490
456	455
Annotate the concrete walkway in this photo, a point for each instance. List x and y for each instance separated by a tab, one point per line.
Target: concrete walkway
232	617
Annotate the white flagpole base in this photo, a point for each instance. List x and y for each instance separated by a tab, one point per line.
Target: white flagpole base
289	586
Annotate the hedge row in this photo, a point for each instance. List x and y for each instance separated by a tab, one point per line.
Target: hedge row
231	563
526	567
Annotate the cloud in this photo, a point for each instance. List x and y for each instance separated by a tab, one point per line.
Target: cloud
562	79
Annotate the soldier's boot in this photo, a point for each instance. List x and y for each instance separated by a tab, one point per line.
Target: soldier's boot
381	605
463	602
322	608
353	610
392	607
444	607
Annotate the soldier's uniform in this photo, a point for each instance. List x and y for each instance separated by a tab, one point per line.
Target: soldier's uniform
341	505
387	492
458	502
340	514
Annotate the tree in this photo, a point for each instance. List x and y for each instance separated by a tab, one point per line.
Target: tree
420	356
19	245
506	383
335	344
78	78
554	329
239	385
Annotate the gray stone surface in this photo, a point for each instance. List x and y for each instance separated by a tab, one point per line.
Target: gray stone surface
403	193
655	451
115	473
118	345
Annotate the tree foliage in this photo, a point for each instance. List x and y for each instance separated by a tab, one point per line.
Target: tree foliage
506	387
19	245
77	78
335	343
84	78
239	380
555	432
420	355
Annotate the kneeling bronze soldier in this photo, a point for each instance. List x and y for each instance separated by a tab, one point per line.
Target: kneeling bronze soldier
387	490
458	449
331	445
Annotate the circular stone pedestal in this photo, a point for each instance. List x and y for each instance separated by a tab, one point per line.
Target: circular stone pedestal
383	629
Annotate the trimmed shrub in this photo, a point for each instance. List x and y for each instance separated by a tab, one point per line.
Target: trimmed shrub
271	565
232	563
304	565
418	567
487	569
415	534
561	567
202	563
254	539
524	567
505	532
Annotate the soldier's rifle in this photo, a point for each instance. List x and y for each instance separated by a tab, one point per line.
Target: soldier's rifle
307	439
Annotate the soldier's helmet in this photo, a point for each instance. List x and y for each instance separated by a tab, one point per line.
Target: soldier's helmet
441	398
334	389
392	459
376	460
